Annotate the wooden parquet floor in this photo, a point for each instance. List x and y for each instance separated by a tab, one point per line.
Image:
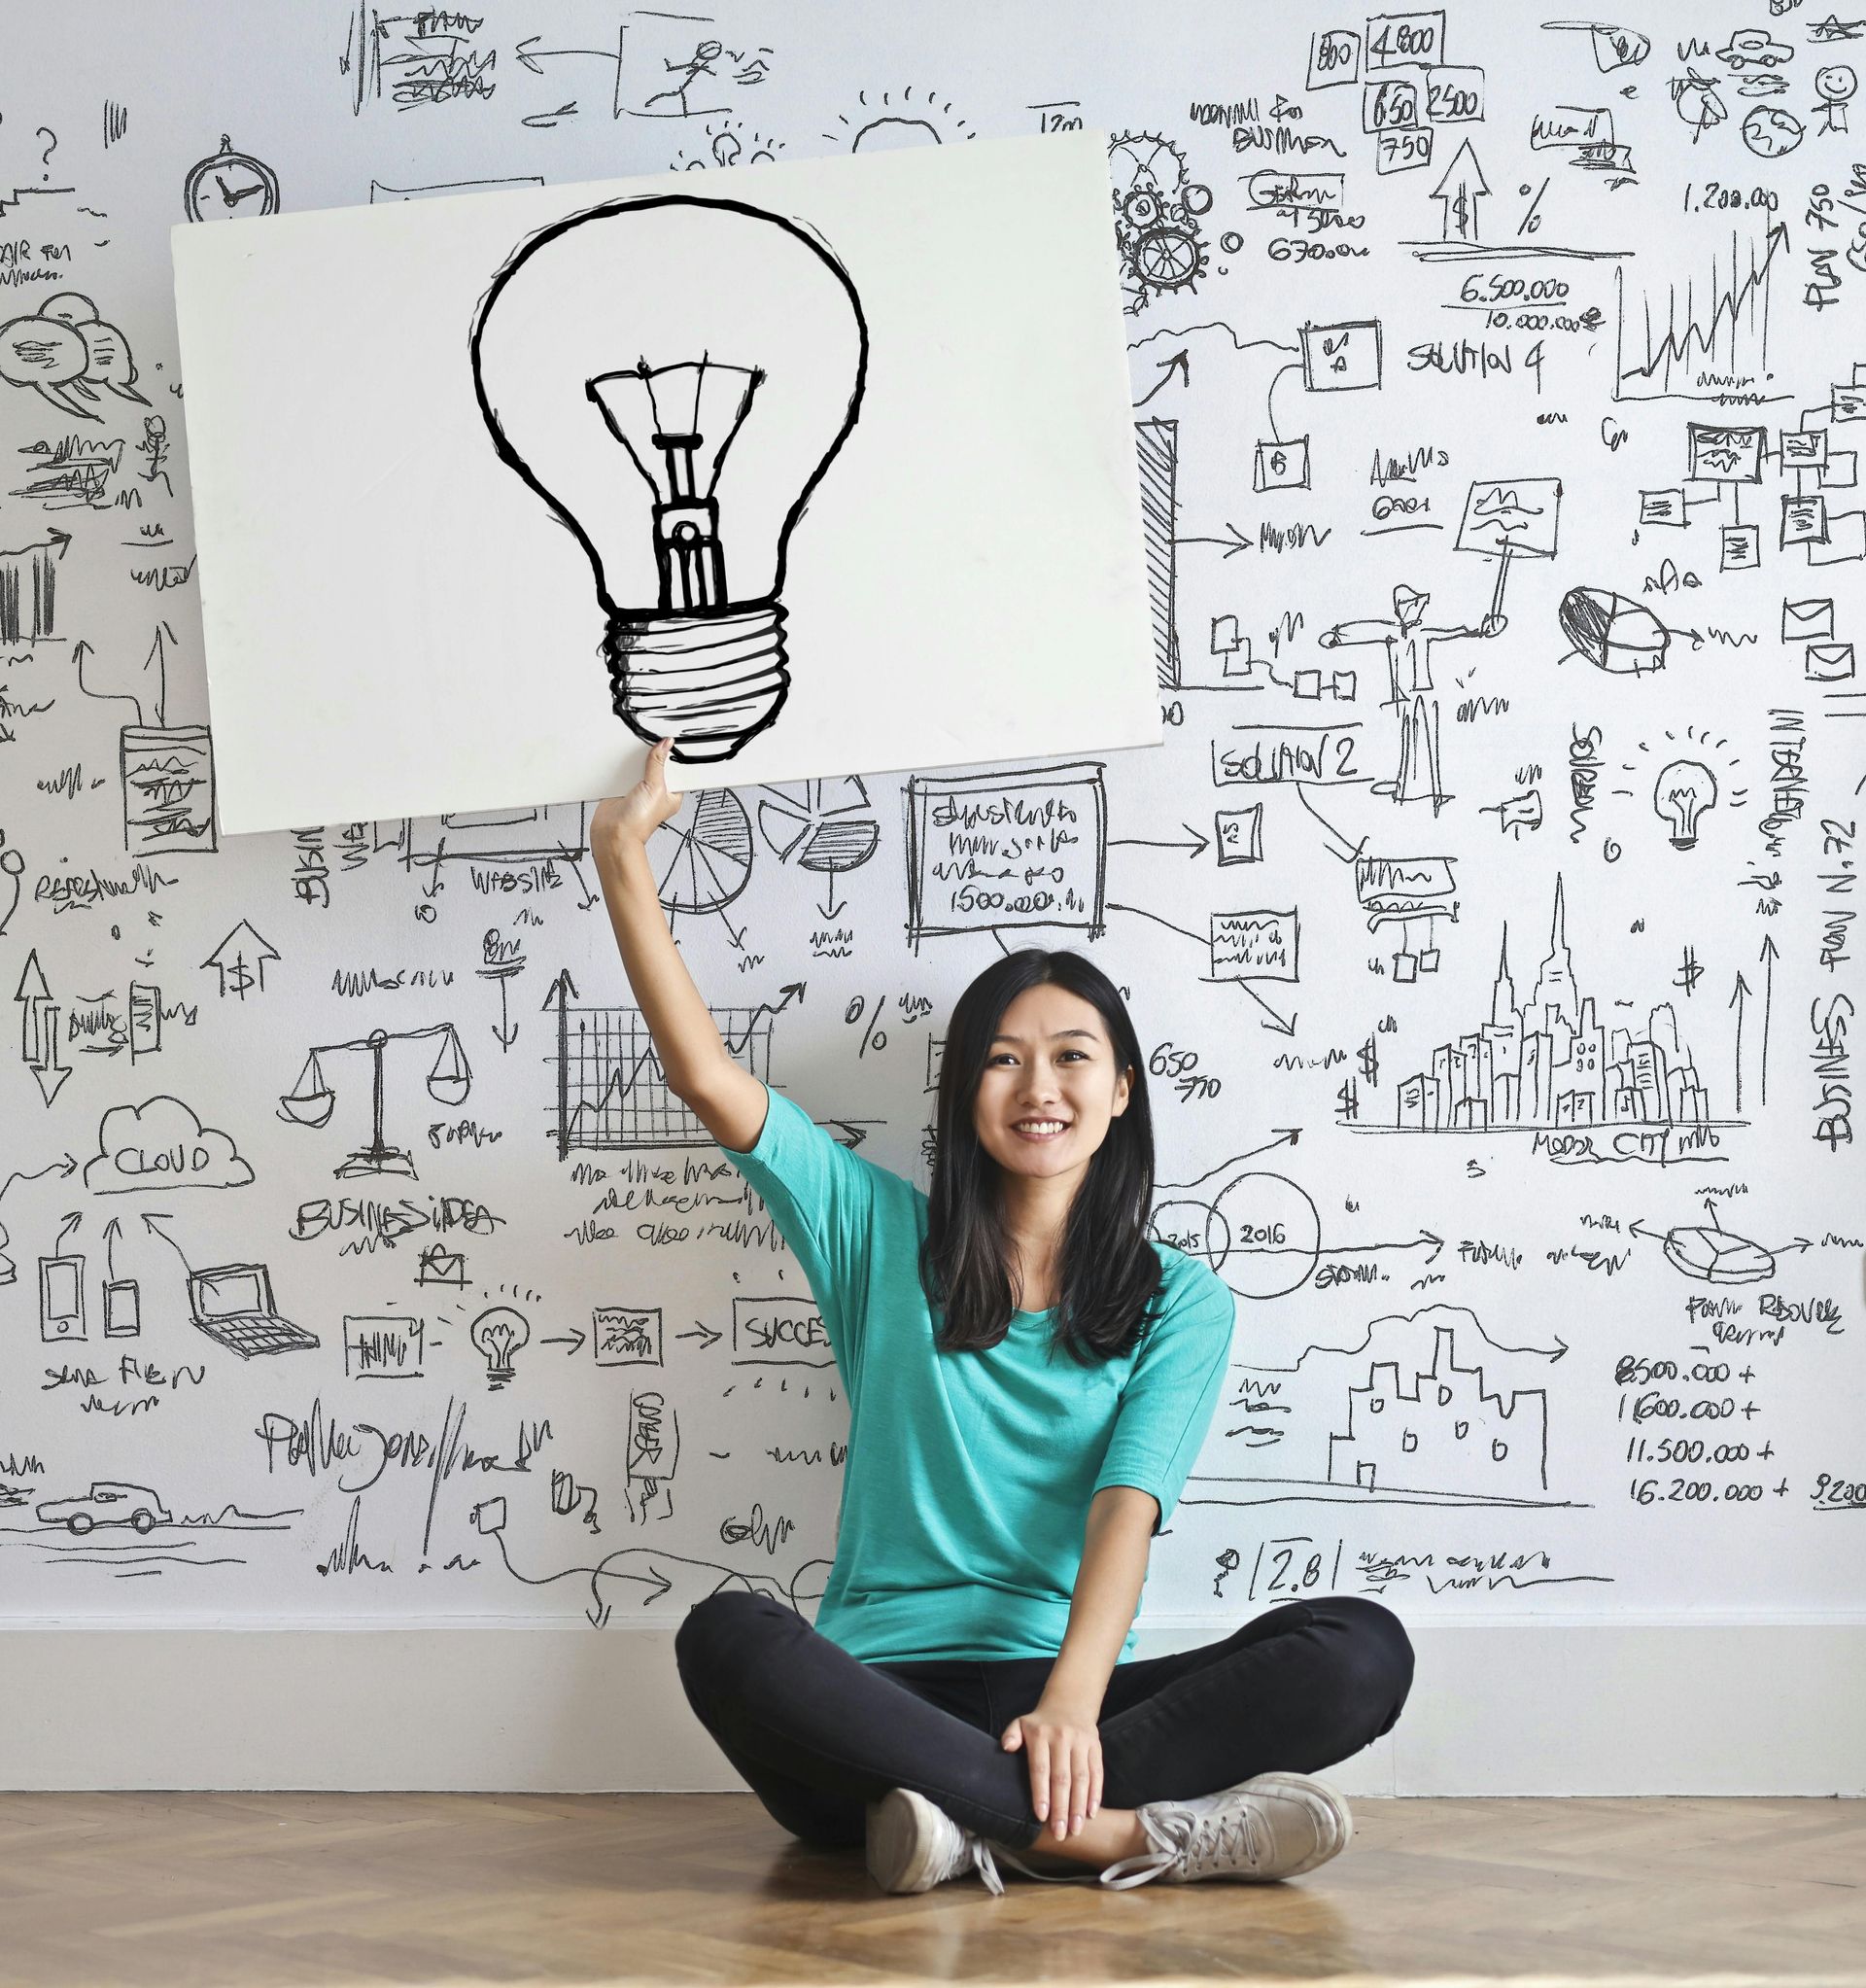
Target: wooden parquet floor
270	1891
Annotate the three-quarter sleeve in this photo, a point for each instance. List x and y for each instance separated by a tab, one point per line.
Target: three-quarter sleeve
821	1196
1170	1400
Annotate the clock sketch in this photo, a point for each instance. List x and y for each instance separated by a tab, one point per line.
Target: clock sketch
229	185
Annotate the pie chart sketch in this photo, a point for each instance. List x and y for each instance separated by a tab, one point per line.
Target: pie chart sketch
835	846
1614	633
1260	1232
1717	1258
703	864
1713	1255
826	826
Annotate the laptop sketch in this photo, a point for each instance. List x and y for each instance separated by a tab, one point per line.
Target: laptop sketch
234	1305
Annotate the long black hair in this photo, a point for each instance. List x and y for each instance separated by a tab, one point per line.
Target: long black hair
1108	1273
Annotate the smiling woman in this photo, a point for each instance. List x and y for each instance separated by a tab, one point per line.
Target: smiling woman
1043	1178
1030	1374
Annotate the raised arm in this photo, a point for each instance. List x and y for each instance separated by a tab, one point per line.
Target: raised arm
723	1095
1491	624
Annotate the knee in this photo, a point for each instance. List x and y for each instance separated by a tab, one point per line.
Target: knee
1376	1650
714	1633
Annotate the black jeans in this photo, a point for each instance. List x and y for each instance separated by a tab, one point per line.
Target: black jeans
820	1734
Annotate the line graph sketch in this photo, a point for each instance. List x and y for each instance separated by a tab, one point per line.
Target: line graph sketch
1708	339
612	1092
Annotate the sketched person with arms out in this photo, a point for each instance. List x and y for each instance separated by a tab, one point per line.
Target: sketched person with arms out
1030	1378
1410	690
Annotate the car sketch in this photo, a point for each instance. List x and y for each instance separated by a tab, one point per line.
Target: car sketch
108	1503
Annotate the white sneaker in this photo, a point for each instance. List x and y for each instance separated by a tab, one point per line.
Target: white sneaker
914	1844
1272	1826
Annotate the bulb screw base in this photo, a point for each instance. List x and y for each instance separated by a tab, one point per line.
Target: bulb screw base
709	681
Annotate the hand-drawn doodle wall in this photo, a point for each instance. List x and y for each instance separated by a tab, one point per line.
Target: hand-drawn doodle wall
1489	910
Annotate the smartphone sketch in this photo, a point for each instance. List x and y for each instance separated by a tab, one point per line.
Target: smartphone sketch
61	1297
123	1308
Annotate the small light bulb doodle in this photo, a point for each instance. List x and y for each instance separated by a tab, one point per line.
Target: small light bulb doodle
499	1332
1684	792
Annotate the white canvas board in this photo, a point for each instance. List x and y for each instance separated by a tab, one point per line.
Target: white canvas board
391	434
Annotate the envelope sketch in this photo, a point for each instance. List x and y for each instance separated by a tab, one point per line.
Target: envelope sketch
1808	620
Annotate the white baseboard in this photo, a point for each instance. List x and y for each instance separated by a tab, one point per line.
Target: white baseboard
1530	1708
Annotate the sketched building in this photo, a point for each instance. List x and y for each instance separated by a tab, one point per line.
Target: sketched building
1444	1430
1549	1063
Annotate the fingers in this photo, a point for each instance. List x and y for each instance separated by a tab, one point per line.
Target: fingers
1055	1777
1087	1791
654	781
1070	1784
1065	1779
1082	1790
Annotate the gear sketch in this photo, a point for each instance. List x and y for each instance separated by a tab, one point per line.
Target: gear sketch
1157	207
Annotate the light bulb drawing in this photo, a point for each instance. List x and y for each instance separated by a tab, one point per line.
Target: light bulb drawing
499	1332
1687	790
674	376
1682	792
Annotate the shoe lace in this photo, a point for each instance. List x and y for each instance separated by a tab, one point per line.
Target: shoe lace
1230	1839
983	1862
1200	1843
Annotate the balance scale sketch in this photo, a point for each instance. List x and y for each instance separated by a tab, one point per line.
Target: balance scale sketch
311	1100
610	361
1398	1418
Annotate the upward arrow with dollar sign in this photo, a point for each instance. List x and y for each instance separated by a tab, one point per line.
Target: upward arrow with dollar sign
240	961
1463	182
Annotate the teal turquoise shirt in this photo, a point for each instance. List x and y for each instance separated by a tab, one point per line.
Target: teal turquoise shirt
968	1475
